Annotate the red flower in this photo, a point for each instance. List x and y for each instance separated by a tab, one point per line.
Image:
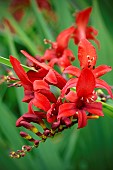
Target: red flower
52	113
82	30
46	72
60	54
82	101
87	57
37	92
36	84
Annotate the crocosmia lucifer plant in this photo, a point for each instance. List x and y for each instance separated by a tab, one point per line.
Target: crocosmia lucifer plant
59	100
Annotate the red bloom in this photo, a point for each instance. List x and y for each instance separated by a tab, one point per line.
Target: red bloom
36	84
60	54
82	30
36	92
52	113
46	72
83	100
87	57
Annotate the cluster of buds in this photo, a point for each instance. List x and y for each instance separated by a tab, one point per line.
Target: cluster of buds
76	99
10	79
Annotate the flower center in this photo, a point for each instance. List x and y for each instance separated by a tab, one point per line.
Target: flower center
80	104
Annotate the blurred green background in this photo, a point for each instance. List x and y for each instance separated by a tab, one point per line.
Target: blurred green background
90	148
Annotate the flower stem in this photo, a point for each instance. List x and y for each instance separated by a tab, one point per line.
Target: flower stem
41	21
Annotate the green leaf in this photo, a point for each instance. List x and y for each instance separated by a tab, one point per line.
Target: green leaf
6	62
41	21
107	109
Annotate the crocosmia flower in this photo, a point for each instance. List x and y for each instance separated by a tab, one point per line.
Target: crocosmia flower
87	57
36	92
57	101
82	30
82	101
59	53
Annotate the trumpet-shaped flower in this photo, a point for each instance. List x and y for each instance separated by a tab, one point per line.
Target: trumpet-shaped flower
81	101
87	57
59	52
36	89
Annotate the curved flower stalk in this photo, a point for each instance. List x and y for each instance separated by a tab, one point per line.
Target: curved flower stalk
76	101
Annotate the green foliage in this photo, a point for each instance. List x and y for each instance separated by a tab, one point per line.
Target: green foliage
85	149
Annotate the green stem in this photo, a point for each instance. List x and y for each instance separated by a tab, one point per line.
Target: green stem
10	40
41	21
107	109
22	35
6	62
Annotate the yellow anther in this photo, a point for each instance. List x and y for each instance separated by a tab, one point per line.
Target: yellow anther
28	137
103	99
52	131
60	127
34	129
70	76
43	137
93	117
99	91
43	125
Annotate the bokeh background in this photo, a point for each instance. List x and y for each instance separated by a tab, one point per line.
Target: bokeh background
90	148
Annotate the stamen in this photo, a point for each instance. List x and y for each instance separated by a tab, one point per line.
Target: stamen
87	100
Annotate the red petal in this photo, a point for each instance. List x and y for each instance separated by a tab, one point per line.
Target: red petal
75	71
40	101
50	77
28	95
53	62
35	61
94	108
103	84
71	83
51	118
19	121
48	55
51	114
32	75
49	95
66	58
82	119
82	17
71	96
36	117
55	78
69	54
63	38
101	70
60	80
86	83
86	54
90	35
66	110
40	84
20	72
